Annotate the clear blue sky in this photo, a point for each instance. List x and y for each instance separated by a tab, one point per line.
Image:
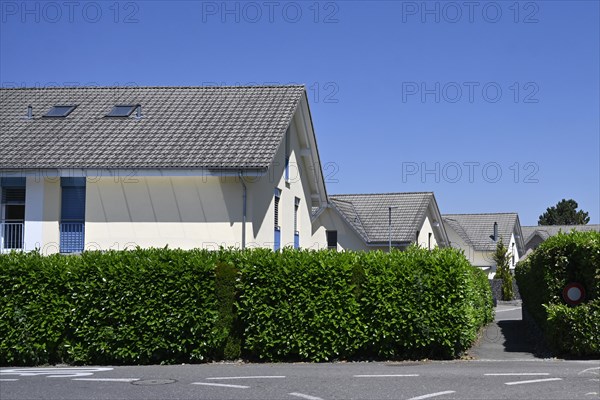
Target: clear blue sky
459	91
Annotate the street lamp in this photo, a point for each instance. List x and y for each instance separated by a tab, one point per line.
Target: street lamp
390	227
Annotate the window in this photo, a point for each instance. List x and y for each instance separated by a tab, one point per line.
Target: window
331	240
72	215
417	238
429	240
59	111
12	211
277	233
296	231
121	111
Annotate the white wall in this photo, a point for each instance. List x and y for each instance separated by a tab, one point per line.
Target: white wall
42	212
423	239
348	239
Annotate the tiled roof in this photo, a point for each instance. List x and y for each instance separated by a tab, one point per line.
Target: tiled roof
183	127
545	231
368	214
477	230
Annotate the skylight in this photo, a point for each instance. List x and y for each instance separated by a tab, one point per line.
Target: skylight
121	111
60	111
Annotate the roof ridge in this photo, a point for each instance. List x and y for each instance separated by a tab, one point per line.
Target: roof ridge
155	87
377	194
498	213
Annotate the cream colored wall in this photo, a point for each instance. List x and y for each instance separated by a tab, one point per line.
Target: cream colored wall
263	194
347	238
426	229
42	213
191	212
183	212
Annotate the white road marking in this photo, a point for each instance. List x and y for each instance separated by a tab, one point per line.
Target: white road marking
519	374
305	396
533	381
8	380
107	379
427	396
220	385
384	376
590	371
509	309
247	377
53	372
591	393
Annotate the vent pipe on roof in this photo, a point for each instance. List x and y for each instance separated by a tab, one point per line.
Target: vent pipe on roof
495	231
138	112
29	112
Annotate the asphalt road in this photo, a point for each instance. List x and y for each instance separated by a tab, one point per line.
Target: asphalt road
547	379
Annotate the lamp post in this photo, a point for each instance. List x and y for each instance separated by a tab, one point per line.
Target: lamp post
390	228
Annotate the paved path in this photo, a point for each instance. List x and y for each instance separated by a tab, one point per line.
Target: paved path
507	338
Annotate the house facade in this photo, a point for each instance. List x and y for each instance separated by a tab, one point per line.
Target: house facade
478	235
188	167
376	221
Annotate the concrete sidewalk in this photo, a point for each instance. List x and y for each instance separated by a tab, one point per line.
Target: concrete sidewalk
507	338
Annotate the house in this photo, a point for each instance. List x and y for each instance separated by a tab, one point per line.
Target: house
378	221
478	235
535	235
110	168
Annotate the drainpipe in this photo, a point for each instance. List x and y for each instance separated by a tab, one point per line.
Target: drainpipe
243	210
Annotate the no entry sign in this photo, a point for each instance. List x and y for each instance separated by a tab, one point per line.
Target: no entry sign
573	293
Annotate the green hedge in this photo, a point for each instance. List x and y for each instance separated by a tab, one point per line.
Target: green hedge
172	306
562	259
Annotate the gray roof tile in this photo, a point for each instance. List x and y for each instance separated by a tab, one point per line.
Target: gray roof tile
183	127
477	229
368	214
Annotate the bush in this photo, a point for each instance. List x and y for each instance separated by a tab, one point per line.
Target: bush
172	306
560	260
503	270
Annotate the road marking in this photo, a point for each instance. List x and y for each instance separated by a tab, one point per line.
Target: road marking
427	396
53	372
106	379
384	376
590	371
533	381
247	377
509	309
591	393
220	385
8	380
305	396
520	374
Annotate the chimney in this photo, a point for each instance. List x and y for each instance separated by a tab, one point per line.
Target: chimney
29	112
495	231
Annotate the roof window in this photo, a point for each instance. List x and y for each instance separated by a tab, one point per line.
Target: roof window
121	111
59	111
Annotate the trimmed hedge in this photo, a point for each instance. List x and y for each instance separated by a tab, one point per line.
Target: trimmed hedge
562	259
171	306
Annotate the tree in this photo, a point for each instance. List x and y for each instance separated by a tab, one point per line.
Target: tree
503	270
564	213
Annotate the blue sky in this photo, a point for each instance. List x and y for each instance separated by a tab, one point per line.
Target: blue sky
492	105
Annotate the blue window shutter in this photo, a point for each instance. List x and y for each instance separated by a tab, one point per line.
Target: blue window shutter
73	204
12	182
277	244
